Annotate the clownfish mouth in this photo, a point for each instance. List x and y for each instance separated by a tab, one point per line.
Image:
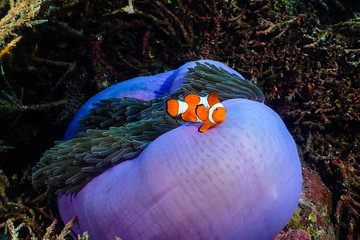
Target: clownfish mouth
215	116
219	115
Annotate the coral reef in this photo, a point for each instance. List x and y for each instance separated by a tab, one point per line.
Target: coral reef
317	92
18	207
304	55
21	13
294	235
312	218
24	214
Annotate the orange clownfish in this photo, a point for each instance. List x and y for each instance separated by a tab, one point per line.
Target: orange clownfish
207	110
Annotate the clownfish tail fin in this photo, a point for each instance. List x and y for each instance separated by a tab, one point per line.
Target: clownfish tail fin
201	112
172	107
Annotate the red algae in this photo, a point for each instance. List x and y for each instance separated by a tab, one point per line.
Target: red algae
297	234
311	219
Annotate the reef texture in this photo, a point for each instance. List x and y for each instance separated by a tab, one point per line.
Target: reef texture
304	55
294	235
26	215
312	217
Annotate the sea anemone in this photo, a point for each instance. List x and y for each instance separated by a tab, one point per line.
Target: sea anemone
135	173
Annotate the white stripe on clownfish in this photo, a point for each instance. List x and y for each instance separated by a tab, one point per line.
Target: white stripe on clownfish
183	106
212	109
198	109
204	101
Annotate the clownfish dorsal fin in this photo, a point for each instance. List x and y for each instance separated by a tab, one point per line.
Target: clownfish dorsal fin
192	99
201	112
213	98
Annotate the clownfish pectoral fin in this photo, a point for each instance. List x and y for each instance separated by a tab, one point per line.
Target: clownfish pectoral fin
188	117
172	107
213	98
201	112
203	128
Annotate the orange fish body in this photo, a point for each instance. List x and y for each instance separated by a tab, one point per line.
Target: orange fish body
215	114
207	110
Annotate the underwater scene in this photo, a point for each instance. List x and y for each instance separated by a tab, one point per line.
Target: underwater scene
172	119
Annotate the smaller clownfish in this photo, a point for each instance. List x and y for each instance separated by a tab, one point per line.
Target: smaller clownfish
207	110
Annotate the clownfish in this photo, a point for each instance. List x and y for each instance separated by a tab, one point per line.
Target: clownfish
207	110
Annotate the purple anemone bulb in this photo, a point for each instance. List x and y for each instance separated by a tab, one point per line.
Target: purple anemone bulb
239	180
